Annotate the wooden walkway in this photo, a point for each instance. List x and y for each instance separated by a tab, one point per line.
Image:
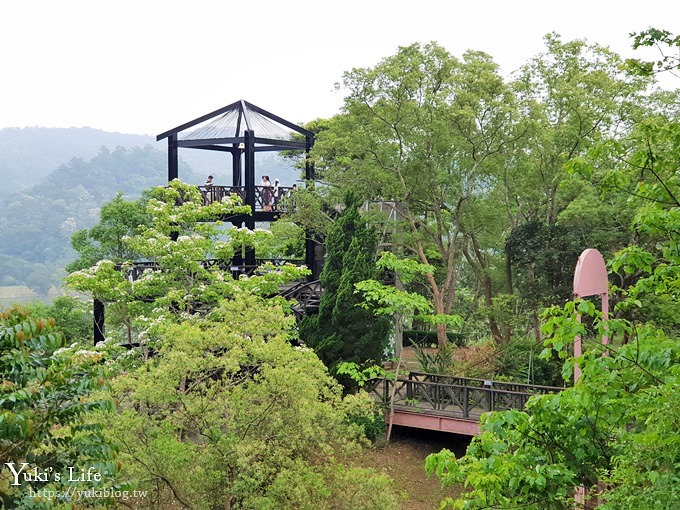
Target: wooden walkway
447	403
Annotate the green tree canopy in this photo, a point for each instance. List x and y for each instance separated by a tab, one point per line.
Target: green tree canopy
343	331
48	395
229	414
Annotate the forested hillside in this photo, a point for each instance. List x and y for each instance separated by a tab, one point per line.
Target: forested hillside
54	182
36	224
28	155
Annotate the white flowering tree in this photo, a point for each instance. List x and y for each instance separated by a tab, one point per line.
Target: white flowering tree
228	413
174	248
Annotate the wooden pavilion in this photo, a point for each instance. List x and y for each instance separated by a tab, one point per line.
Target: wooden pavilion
241	129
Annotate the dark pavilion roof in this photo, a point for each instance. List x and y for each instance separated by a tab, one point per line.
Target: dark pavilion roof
223	128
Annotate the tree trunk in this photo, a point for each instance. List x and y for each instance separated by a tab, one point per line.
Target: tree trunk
488	298
482	272
442	338
388	435
439	309
508	270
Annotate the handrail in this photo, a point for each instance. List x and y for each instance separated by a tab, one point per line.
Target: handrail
484	382
137	269
267	198
313	286
464	398
307	295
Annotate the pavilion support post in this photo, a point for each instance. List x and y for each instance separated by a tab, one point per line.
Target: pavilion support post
98	309
236	166
250	187
310	244
310	248
309	166
173	158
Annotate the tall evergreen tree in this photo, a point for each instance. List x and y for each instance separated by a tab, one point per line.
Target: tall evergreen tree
343	331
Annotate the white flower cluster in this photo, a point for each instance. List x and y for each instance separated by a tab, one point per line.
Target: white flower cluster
64	349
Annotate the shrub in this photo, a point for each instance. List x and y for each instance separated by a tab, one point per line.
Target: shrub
362	411
427	338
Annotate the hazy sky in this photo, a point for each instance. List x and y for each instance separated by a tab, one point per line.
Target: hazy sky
146	66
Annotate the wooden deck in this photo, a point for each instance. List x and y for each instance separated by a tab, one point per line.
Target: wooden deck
447	403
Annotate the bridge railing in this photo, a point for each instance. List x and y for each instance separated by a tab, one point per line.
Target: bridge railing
307	295
480	383
454	396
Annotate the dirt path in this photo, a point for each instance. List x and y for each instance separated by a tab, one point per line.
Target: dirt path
403	460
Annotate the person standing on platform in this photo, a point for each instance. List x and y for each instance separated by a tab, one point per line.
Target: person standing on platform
209	191
277	190
266	193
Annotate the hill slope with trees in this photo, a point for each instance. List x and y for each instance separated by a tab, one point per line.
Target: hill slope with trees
36	224
56	180
28	155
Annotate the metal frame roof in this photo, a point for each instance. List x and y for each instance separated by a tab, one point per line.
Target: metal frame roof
226	127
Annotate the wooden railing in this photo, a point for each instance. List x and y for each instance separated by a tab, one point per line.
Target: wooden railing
137	269
267	198
453	396
307	295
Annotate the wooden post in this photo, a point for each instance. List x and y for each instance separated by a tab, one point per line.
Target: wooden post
236	164
98	311
250	188
590	279
173	158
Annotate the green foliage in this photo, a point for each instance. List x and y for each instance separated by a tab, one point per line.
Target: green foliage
543	258
521	361
606	428
73	317
181	235
358	374
388	300
363	411
403	305
645	172
287	240
339	487
437	362
429	338
48	396
229	411
226	410
427	132
343	330
118	220
662	39
37	225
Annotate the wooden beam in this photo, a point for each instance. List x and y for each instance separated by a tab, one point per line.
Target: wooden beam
434	422
209	141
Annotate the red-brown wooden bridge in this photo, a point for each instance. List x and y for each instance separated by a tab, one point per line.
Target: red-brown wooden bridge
448	403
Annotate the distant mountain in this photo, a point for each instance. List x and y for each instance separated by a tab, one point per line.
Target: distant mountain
27	155
36	224
53	182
